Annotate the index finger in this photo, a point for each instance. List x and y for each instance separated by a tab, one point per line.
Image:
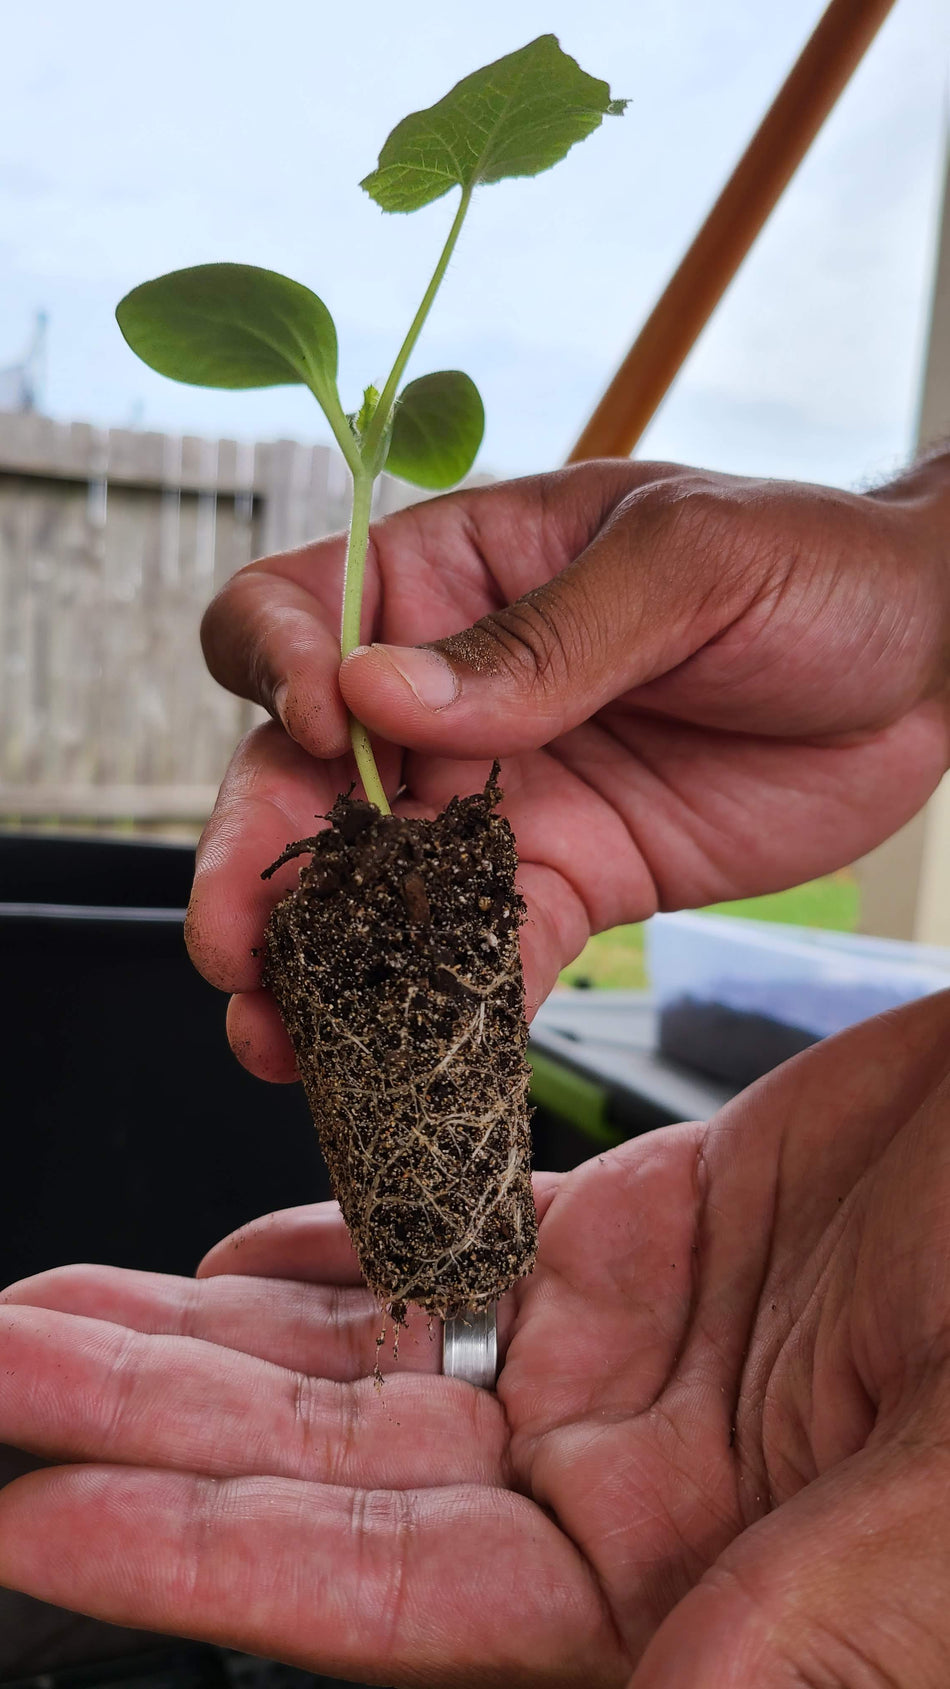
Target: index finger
272	793
462	1584
271	635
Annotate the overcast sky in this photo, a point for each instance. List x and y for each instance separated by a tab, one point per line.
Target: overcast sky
134	140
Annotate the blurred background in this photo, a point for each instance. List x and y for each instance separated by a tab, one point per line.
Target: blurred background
137	140
133	143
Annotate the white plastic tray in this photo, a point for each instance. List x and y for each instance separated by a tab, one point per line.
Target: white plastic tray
803	977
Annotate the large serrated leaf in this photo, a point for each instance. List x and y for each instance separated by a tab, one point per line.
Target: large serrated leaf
437	430
515	117
232	325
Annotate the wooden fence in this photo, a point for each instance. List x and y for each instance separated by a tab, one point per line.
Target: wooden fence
111	545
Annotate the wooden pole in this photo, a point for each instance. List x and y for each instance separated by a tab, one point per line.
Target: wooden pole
780	143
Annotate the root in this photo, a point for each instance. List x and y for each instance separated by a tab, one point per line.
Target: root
407	1018
302	847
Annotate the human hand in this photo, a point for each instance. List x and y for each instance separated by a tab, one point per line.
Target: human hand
705	687
716	1459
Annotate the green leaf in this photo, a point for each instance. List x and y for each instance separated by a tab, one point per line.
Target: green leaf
233	325
373	448
364	416
437	430
515	117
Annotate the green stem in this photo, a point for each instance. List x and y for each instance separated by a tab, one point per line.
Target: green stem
366	763
356	549
361	460
342	432
387	396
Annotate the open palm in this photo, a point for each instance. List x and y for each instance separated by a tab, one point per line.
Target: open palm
700	687
721	1424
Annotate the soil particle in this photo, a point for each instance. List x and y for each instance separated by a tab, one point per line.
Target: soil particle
473	648
396	967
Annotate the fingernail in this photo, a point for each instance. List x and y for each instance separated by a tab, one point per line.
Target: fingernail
430	677
280	701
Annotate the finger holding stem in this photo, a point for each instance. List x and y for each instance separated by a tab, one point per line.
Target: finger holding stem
355	571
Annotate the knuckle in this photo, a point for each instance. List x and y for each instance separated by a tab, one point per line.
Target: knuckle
355	1327
691	491
343	1446
384	1526
700	525
260	681
74	1281
219	627
218	614
235	634
300	1406
530	641
689	503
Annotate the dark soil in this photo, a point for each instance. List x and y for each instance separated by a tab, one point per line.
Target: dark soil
396	967
735	1045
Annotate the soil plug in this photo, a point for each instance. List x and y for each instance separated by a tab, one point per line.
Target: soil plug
395	961
397	970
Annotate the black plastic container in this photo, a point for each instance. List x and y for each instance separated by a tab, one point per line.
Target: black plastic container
130	1133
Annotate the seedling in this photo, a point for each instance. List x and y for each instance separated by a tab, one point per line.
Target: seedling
395	962
234	325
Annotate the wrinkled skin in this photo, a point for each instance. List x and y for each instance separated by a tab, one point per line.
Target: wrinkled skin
707	688
718	1455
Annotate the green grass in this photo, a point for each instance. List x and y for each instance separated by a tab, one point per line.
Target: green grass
615	959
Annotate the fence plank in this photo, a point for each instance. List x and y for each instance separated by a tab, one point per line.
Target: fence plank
36	445
109	803
112	543
111	546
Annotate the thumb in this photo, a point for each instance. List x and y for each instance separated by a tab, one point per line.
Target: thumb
645	594
843	1585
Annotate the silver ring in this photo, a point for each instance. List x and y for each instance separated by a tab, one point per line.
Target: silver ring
470	1347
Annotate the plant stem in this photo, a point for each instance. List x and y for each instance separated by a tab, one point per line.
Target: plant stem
356	548
360	462
388	394
342	432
